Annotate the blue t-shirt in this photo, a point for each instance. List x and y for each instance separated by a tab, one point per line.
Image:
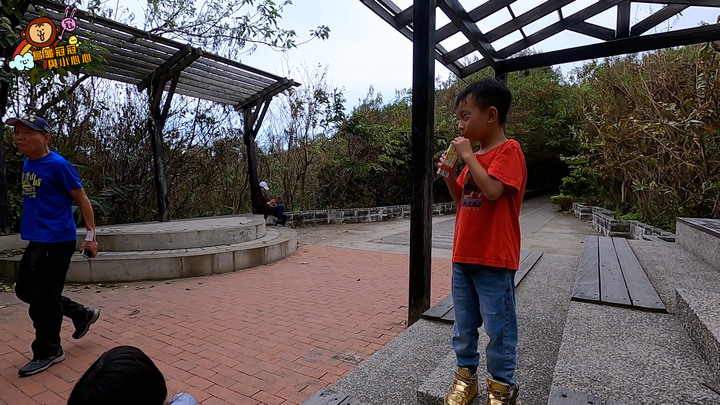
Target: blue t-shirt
47	203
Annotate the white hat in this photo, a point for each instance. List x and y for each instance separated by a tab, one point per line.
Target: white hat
264	185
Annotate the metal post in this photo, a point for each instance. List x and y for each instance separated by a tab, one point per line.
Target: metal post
423	122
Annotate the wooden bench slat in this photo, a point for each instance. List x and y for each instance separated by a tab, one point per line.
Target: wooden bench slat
612	284
587	281
449	316
440	309
444	311
526	264
564	396
524	254
642	292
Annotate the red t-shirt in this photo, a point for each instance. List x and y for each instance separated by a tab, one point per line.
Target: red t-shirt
488	232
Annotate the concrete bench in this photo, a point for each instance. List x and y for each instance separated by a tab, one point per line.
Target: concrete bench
610	274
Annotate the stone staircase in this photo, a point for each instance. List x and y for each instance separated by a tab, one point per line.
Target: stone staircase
176	249
579	352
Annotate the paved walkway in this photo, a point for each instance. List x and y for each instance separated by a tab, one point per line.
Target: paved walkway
268	335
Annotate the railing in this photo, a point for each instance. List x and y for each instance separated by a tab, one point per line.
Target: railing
604	221
356	215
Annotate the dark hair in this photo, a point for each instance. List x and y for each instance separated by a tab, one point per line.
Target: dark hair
122	375
489	93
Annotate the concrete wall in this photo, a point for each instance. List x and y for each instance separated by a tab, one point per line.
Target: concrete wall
702	242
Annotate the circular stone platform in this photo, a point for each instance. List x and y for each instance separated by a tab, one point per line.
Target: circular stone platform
179	234
176	249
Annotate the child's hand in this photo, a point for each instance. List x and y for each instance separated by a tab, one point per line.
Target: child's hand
463	148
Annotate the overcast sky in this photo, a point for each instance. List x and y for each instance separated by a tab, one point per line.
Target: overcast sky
364	51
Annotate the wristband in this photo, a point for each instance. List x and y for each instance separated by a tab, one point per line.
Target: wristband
89	236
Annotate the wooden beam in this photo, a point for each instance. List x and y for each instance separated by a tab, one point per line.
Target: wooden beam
689	36
478	13
557	27
526	18
253	115
155	84
383	10
512	16
423	122
593	30
460	52
457	14
404	18
473	67
269	92
656	18
118	38
381	7
623	20
165	66
698	3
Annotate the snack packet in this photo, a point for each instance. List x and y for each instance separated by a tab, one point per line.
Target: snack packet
451	158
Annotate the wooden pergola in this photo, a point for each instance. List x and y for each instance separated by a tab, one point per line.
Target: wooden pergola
162	66
478	51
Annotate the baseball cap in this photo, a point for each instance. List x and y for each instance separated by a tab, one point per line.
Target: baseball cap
264	185
33	121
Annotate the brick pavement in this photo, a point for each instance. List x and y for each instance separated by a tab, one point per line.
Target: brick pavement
268	335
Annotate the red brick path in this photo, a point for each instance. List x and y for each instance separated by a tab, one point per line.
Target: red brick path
269	335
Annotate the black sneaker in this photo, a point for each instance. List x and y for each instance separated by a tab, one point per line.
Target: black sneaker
37	366
81	329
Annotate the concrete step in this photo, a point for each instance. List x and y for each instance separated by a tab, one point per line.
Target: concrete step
701	236
179	234
276	244
699	313
392	374
417	367
630	356
543	298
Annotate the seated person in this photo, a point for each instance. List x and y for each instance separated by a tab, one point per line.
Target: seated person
124	375
270	206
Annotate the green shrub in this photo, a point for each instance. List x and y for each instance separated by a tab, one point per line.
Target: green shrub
580	182
631	216
563	201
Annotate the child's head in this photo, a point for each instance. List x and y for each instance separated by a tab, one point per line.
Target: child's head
122	375
31	134
482	109
488	93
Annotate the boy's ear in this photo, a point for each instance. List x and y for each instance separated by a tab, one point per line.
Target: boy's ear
492	114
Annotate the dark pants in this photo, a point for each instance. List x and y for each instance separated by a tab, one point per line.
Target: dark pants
278	211
40	283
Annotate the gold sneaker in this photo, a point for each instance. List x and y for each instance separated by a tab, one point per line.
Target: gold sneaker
463	389
499	393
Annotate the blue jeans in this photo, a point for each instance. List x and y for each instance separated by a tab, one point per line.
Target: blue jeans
485	295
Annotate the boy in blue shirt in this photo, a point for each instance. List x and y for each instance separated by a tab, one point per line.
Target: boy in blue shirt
49	187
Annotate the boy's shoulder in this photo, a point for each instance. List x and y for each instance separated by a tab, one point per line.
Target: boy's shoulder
513	143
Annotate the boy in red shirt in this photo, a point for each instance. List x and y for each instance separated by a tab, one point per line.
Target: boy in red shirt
486	248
